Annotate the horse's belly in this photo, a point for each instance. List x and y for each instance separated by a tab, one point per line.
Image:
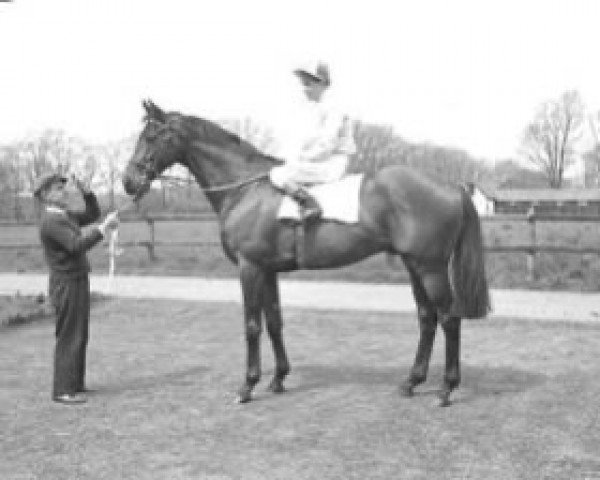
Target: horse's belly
333	245
326	245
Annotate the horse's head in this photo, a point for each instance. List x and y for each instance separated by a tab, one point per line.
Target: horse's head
160	145
214	155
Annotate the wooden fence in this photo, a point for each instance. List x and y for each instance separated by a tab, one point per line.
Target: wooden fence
532	248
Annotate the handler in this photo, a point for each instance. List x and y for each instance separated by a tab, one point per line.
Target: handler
319	145
65	247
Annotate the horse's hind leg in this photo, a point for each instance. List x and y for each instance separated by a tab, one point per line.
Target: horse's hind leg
427	315
252	278
274	321
451	327
437	286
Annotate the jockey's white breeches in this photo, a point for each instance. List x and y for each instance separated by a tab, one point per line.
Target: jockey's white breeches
293	175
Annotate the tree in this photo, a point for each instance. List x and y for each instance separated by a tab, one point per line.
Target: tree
592	156
112	161
251	131
509	174
549	140
450	165
11	181
376	147
52	150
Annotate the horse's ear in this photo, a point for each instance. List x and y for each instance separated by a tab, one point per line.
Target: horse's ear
153	112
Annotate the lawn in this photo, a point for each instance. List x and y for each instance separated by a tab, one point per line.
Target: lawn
165	375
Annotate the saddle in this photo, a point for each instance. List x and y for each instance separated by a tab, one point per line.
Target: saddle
339	200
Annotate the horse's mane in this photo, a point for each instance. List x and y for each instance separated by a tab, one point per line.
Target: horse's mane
208	131
218	135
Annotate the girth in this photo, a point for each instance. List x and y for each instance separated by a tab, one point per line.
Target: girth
294	248
300	244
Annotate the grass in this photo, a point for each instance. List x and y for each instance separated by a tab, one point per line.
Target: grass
165	374
19	309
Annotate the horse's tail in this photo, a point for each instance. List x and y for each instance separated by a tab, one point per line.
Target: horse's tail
467	265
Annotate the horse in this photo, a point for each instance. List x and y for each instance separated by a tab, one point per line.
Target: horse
432	227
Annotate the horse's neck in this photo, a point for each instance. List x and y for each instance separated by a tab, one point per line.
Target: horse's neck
221	167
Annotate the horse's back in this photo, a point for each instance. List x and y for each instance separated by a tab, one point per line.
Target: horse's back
423	216
406	183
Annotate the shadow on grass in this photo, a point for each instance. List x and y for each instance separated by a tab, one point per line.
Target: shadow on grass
159	382
477	382
22	310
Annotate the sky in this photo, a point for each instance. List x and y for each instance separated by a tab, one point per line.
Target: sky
464	73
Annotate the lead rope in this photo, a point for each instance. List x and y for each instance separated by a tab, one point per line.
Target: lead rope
114	250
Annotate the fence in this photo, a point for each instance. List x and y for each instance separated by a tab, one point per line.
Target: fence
531	249
150	244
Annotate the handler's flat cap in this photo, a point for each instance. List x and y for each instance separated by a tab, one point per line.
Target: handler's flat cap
46	181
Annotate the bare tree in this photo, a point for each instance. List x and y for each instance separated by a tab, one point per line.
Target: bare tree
592	156
549	140
376	147
52	150
12	180
251	131
87	163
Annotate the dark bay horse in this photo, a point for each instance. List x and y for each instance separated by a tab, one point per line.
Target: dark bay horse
433	228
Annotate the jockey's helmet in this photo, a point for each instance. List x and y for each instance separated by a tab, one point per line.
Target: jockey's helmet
318	71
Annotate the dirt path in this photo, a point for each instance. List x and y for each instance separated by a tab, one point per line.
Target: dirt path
542	305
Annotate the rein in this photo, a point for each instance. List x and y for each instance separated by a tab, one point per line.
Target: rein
219	188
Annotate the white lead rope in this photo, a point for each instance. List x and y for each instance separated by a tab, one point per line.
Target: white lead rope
113	238
113	247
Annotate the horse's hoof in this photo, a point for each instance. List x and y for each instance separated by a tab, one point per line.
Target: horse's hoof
406	390
243	397
444	400
276	386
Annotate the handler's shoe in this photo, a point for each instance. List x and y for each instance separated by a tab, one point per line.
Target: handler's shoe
70	398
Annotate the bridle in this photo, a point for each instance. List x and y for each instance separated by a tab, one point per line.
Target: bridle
150	172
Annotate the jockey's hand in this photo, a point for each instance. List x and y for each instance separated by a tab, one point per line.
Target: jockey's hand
82	186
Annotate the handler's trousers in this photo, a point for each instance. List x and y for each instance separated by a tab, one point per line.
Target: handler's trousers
71	300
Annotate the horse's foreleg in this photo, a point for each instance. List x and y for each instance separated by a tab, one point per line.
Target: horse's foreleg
451	327
274	321
252	278
427	327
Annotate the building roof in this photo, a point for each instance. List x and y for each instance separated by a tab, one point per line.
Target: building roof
547	195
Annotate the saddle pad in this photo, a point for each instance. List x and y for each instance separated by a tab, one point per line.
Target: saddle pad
339	200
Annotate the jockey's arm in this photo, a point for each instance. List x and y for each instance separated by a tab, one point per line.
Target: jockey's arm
337	139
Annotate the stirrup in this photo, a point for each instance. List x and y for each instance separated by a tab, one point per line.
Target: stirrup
311	214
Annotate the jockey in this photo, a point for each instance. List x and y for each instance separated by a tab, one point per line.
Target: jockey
320	143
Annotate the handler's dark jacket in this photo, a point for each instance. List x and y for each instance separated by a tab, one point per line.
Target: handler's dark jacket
65	245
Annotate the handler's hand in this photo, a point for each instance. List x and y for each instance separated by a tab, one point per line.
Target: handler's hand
111	221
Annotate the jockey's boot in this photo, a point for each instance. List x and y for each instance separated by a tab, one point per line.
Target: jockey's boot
310	208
